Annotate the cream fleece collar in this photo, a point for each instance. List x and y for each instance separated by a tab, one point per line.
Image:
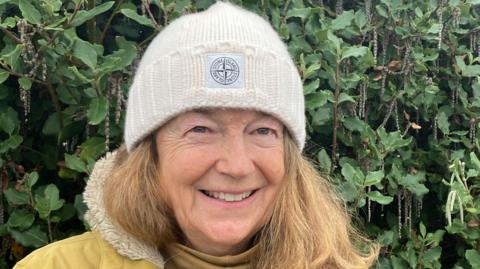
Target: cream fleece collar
124	243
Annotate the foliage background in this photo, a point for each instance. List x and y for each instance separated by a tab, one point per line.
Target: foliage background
392	98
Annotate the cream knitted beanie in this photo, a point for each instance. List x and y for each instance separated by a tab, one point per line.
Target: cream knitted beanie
224	57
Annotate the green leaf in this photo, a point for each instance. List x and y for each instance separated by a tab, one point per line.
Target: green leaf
434	29
25	83
353	124
335	40
33	237
3	75
52	125
442	123
52	5
93	148
85	52
386	238
12	57
355	51
132	14
373	178
75	163
301	13
7	124
347	191
49	202
120	58
360	19
393	140
345	98
20	219
32	178
85	15
467	70
11	143
15	197
418	12
381	11
324	161
64	214
3	92
318	99
412	183
9	22
321	116
475	161
79	75
97	110
29	12
343	20
473	257
130	50
423	230
379	198
476	89
352	174
311	70
311	87
80	206
432	255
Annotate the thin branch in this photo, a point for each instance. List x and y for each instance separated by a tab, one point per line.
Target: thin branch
109	21
335	114
152	18
147	40
55	101
409	124
70	19
13	73
92	23
50	233
389	112
11	35
70	92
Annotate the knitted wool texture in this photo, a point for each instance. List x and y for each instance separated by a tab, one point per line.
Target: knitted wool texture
223	57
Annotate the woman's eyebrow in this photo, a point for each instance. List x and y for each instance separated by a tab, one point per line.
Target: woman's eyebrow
269	118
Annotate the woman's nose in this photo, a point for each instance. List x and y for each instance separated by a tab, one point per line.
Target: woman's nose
234	159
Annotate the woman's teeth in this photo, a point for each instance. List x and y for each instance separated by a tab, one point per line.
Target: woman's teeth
229	197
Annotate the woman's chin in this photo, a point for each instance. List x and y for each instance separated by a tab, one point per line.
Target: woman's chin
228	239
230	236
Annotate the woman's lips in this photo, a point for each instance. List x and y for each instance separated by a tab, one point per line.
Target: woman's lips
229	200
229	196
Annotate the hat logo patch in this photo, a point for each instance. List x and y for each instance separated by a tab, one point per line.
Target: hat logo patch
225	71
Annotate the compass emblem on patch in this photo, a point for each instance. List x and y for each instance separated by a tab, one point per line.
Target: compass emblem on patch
224	70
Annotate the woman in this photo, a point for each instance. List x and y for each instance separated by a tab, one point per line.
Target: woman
212	174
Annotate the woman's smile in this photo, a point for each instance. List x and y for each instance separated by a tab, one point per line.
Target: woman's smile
228	196
229	200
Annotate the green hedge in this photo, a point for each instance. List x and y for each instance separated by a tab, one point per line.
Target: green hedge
392	94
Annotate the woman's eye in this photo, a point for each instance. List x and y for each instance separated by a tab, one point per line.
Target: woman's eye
199	129
264	131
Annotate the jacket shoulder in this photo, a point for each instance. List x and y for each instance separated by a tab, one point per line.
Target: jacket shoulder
85	251
82	251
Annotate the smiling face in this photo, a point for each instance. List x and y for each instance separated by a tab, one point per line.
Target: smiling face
221	170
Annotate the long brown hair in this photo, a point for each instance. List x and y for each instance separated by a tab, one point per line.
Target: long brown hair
309	227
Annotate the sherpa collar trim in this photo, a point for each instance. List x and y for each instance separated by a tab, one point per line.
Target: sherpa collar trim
124	243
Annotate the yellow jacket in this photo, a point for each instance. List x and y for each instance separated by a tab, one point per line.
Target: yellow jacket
86	251
110	247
